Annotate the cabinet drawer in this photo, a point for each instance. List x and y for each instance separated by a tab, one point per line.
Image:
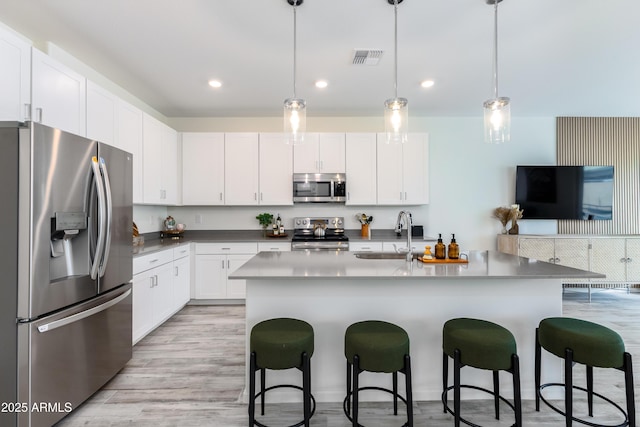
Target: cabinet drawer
181	251
274	246
145	262
365	246
227	248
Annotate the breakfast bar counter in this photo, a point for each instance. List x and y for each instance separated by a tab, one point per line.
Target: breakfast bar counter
332	290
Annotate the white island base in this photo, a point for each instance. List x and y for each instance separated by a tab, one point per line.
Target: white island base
419	298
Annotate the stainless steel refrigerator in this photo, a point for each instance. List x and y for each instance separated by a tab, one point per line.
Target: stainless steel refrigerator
65	270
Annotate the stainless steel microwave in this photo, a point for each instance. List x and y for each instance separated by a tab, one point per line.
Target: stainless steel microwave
319	188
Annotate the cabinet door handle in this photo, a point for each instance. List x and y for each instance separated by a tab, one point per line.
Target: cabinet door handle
151	282
176	271
348	195
220	196
405	195
321	165
557	260
261	196
223	264
623	260
551	260
228	264
27	111
401	195
629	260
39	115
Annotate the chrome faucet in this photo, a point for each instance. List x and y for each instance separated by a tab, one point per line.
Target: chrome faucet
408	221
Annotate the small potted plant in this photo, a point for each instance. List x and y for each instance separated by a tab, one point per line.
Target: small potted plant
265	220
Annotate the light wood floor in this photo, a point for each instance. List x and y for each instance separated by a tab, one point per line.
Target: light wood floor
190	372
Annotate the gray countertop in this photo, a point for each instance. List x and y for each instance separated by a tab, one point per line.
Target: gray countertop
345	265
154	243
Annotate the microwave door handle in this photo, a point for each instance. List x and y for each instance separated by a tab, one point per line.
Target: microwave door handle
332	189
108	217
95	262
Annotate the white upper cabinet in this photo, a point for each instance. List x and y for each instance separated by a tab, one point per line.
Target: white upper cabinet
320	153
276	170
160	162
361	168
58	94
102	110
15	77
403	171
202	169
241	169
129	138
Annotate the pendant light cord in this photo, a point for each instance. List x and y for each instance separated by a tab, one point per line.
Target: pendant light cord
395	7
295	6
495	49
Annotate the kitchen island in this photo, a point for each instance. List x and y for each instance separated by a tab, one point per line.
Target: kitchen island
332	290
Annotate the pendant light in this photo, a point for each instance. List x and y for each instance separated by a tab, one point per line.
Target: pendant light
497	111
396	110
295	109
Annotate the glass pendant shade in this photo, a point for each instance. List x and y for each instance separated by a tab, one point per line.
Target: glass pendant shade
396	120
295	120
497	120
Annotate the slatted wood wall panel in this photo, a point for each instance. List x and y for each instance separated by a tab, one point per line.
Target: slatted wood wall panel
604	141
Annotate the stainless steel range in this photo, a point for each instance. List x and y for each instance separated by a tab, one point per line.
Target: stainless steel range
319	234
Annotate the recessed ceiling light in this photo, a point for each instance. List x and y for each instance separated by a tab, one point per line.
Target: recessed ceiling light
321	84
215	83
427	83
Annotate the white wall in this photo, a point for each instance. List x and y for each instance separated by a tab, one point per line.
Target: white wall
468	178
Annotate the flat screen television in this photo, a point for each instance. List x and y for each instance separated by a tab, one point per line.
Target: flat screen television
565	192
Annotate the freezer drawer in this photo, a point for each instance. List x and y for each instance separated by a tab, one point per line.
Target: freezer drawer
72	354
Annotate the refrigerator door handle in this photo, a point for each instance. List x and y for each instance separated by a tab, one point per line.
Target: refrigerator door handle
83	314
109	216
95	263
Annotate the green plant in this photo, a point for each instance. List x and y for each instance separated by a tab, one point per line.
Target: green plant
265	219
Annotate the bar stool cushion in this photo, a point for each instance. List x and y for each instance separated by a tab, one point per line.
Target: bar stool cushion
279	343
482	344
380	346
592	344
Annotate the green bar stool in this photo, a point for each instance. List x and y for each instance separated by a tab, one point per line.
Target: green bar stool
377	346
484	345
277	344
590	344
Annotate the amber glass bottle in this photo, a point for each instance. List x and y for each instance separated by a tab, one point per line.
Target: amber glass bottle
440	249
454	249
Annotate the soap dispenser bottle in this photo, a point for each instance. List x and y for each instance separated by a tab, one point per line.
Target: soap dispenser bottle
440	249
454	249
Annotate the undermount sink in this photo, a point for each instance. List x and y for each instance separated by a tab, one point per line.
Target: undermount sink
382	255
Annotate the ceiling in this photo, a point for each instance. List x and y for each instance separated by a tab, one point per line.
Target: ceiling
557	58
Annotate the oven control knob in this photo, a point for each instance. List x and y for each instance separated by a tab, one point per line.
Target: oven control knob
339	221
304	222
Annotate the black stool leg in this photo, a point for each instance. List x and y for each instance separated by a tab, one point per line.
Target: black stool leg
445	380
537	371
590	389
356	373
409	392
629	391
496	393
349	369
457	365
568	386
517	398
306	388
263	380
395	392
252	389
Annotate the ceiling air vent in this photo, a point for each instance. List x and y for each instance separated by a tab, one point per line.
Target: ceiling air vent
367	56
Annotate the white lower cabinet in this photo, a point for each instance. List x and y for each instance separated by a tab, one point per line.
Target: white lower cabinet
215	262
161	287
